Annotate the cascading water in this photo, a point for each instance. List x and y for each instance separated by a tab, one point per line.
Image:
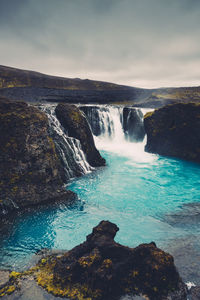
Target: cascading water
119	130
69	149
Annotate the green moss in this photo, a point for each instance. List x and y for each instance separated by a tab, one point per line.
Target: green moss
52	145
107	263
148	114
76	116
14	189
14	275
87	261
44	277
7	290
14	178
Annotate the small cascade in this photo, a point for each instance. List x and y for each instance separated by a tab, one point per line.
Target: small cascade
69	149
112	122
104	120
119	130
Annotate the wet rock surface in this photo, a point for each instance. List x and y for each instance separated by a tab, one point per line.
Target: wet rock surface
174	130
76	125
194	293
100	268
187	215
185	249
133	124
92	114
186	257
30	170
29	290
4	277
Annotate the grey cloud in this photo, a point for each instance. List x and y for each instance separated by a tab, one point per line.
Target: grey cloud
114	40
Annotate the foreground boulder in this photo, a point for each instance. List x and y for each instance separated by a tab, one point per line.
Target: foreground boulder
29	166
76	125
174	130
102	269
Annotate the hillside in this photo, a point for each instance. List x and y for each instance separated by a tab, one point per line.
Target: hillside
37	87
12	77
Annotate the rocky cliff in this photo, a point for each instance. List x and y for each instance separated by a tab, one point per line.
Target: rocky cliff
30	170
174	130
76	125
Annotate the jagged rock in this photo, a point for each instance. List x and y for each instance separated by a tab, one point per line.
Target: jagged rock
174	130
133	124
76	125
102	269
29	166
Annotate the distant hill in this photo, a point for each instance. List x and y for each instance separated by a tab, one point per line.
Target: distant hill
37	87
12	77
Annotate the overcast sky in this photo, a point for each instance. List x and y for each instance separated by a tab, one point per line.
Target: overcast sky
144	43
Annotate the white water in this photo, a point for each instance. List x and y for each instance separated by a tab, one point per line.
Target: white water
66	146
111	127
116	141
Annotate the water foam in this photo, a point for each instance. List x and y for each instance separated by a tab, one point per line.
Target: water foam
116	141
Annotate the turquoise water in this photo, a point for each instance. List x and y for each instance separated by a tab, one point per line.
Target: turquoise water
137	191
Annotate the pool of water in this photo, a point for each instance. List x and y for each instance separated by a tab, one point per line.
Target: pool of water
139	192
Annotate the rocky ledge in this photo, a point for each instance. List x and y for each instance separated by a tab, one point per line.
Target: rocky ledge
30	171
76	125
174	130
102	269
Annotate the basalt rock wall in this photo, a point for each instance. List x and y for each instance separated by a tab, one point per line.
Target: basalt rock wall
76	125
30	170
174	130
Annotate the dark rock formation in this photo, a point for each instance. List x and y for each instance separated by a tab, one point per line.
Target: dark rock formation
92	115
174	130
29	166
76	125
133	124
102	269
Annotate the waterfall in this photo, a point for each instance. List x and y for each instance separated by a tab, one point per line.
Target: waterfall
119	130
115	123
104	120
69	149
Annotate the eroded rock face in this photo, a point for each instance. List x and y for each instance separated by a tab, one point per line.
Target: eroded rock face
174	130
133	124
29	166
102	269
77	126
93	118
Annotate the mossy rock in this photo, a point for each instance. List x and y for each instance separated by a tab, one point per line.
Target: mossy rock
174	130
102	269
30	169
76	125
